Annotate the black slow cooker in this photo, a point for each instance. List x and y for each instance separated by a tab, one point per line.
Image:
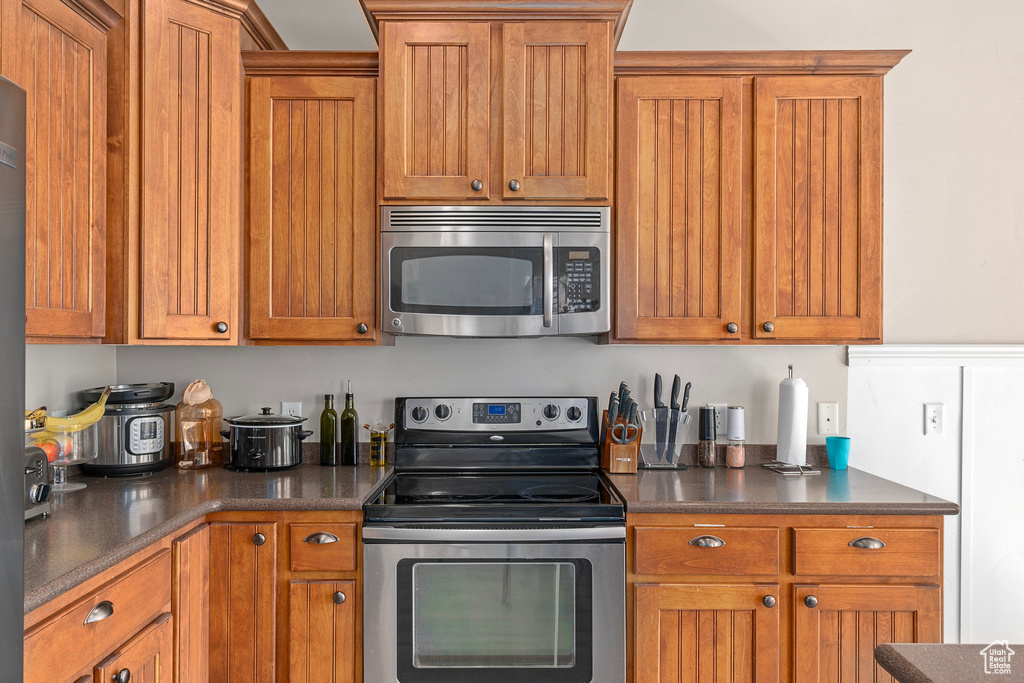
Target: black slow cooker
265	441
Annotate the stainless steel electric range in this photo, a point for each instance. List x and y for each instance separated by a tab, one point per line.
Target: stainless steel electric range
497	551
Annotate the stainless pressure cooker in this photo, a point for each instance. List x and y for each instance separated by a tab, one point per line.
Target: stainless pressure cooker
134	433
265	441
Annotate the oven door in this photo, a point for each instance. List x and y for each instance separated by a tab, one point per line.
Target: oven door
529	608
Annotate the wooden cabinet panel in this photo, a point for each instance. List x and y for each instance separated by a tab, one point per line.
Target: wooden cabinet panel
436	122
322	632
678	212
314	556
827	552
191	172
557	109
706	632
818	207
190	605
146	657
58	55
835	640
312	230
667	550
243	603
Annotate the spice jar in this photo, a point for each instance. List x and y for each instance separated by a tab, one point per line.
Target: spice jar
707	437
735	452
197	428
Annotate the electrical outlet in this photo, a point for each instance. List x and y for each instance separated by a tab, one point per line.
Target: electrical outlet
293	408
932	418
828	419
721	417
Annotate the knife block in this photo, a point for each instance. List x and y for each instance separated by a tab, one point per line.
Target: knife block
619	458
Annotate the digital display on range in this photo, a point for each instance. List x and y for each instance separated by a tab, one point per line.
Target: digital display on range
506	413
495	410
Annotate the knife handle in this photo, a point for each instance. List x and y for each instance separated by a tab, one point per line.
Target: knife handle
657	391
613	411
673	401
686	397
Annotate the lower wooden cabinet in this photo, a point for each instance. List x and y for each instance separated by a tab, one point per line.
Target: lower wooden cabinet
146	658
190	605
322	631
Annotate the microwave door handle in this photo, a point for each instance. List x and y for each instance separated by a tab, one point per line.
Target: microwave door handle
549	277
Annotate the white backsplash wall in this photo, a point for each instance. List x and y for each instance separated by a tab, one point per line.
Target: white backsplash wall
55	373
245	378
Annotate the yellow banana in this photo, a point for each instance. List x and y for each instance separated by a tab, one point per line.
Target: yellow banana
80	420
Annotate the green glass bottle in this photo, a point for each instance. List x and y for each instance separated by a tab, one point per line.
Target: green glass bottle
349	430
329	432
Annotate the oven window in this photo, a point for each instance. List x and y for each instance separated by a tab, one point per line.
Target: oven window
518	620
467	281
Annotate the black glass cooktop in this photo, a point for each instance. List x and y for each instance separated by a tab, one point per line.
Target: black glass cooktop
441	498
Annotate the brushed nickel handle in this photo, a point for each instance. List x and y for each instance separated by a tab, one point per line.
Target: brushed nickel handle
707	542
811	601
122	676
320	537
768	601
338	598
768	326
361	328
513	185
221	327
476	185
732	328
259	539
100	612
867	542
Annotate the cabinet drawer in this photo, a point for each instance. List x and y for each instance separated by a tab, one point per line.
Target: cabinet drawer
60	647
906	552
323	547
725	550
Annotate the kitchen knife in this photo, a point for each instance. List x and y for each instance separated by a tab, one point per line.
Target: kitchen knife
686	399
623	391
673	424
660	420
611	399
632	419
613	410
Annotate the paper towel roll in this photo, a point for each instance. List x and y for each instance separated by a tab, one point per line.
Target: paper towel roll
793	421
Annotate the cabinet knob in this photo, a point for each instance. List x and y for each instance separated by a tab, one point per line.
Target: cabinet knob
338	598
476	185
768	326
732	328
513	185
361	328
100	612
221	327
259	539
122	676
811	601
768	601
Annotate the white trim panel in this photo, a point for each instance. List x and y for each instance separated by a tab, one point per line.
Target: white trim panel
904	355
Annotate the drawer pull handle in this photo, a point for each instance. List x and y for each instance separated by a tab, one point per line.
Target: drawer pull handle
100	612
707	542
768	601
338	598
122	676
320	537
811	601
867	542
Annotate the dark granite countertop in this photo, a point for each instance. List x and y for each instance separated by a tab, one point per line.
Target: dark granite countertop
927	662
95	528
756	490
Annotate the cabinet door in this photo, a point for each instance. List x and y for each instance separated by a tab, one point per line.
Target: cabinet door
835	640
146	657
678	212
706	632
243	606
59	58
435	78
556	138
190	605
818	208
322	631
312	217
191	173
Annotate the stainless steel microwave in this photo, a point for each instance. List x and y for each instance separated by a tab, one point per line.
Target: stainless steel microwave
495	271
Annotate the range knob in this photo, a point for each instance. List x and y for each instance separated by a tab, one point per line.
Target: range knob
443	411
419	414
550	411
574	413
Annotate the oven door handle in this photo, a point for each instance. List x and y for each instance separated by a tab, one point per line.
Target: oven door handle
549	277
407	534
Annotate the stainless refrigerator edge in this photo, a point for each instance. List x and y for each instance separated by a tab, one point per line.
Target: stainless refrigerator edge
12	376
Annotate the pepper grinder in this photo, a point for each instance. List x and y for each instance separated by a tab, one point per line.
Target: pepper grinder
707	437
735	452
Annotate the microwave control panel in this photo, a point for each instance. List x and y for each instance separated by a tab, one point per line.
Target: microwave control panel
579	279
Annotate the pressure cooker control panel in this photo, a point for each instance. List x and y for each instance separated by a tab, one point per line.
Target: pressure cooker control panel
496	414
145	435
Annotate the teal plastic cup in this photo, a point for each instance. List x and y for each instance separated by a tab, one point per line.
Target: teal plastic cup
838	448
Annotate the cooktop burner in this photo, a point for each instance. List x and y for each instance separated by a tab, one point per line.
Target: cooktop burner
560	493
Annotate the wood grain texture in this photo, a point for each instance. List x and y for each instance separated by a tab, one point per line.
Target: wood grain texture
818	207
339	556
190	605
310	63
435	125
751	62
243	602
557	110
678	210
827	552
689	632
312	213
147	656
835	641
58	54
322	633
191	152
667	550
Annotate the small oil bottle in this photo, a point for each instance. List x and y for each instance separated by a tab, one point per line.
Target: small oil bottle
707	437
349	430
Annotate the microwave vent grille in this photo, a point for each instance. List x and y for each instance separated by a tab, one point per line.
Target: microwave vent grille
481	218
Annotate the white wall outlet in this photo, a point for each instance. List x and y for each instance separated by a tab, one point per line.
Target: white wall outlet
828	419
933	418
721	418
293	408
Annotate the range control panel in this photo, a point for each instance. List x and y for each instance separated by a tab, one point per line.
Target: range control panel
536	414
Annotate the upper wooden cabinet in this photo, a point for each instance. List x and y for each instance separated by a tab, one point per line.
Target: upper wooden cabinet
57	51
